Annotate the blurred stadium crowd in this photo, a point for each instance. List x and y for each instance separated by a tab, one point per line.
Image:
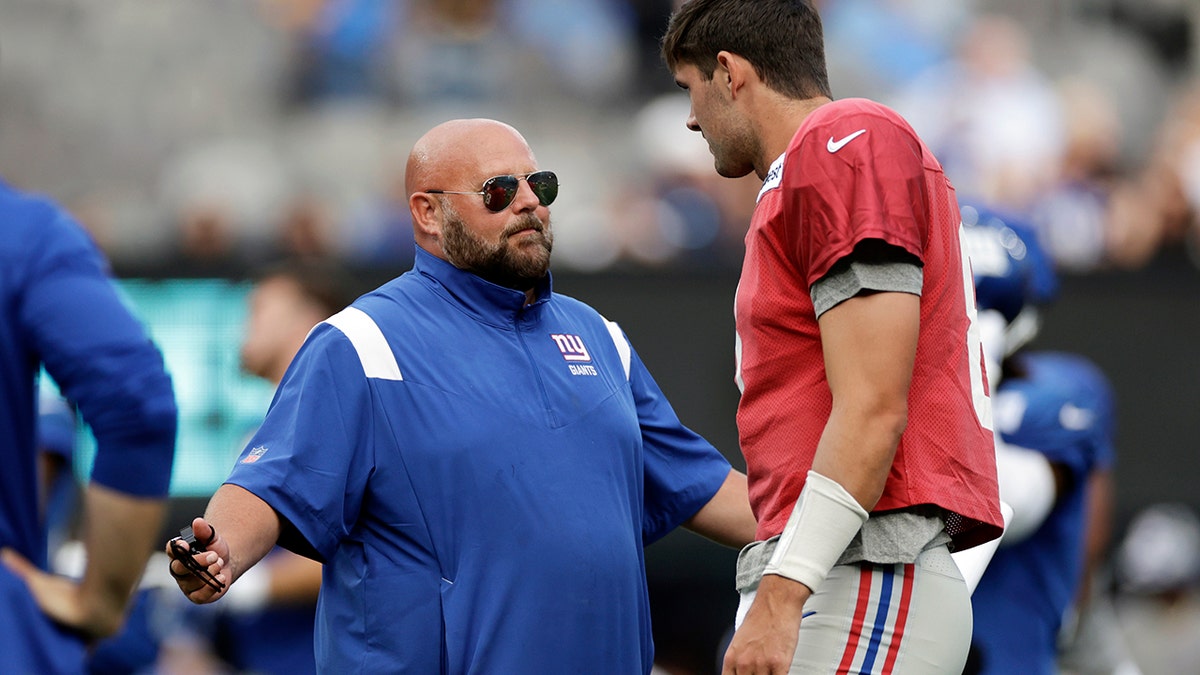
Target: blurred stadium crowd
209	138
201	137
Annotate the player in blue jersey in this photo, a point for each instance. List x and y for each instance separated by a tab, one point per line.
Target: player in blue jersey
478	460
61	311
1053	413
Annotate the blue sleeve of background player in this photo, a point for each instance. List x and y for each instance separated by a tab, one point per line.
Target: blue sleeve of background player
682	470
1095	394
1068	411
100	356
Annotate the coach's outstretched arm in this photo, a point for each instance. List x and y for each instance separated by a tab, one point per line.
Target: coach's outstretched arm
245	529
726	518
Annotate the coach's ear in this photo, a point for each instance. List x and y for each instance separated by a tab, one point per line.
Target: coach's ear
427	217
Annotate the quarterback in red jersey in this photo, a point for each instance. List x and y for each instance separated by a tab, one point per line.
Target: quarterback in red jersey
864	418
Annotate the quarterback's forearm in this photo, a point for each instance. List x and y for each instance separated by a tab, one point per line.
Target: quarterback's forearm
856	450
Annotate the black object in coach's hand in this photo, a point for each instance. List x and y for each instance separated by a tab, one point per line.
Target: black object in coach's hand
184	556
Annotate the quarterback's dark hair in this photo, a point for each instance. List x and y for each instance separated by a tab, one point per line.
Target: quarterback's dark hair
782	39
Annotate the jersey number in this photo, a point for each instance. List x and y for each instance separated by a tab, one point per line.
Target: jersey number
979	392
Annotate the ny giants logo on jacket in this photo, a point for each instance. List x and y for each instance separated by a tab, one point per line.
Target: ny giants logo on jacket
574	352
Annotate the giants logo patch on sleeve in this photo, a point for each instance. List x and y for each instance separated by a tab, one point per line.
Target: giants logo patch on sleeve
573	352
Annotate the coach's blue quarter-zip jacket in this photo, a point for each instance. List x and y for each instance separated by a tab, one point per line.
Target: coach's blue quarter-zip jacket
480	477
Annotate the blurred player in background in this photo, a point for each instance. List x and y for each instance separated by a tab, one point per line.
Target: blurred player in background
265	623
135	647
1054	415
864	415
1157	569
477	460
61	311
1090	641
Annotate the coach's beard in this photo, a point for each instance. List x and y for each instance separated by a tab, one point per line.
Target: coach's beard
519	265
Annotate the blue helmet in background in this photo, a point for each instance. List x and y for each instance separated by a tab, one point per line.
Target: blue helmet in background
1013	275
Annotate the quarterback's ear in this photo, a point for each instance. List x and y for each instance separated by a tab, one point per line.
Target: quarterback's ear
736	72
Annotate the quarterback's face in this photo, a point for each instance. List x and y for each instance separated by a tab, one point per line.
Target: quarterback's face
714	116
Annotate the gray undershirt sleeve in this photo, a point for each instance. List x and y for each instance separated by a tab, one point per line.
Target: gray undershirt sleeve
851	276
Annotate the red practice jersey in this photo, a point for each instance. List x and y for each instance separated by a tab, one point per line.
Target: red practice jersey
856	170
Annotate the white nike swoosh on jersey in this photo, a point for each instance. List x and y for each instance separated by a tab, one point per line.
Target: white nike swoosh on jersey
834	146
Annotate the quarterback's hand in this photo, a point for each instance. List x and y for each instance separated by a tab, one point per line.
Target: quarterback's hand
207	578
766	641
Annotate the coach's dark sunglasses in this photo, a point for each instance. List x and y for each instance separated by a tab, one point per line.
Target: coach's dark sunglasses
499	191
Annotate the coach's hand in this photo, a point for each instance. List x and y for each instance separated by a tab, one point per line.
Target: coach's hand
766	640
214	560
